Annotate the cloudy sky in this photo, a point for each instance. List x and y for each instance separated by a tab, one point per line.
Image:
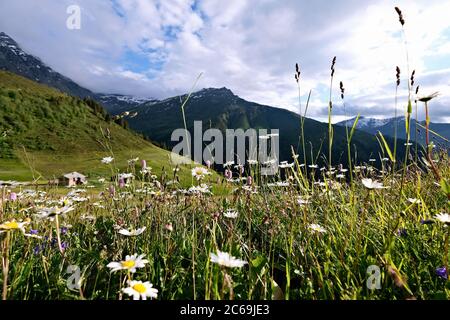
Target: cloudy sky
158	48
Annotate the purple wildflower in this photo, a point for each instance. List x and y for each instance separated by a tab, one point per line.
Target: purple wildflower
442	273
13	196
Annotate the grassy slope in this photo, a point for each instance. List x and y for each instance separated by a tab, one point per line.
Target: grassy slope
49	133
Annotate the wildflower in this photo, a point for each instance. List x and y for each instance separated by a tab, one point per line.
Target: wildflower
442	273
226	260
443	217
249	180
107	160
141	290
132	232
428	221
13	196
169	227
13	225
252	162
414	200
230	213
199	172
313	166
53	211
203	188
372	184
112	191
302	202
228	174
121	183
285	164
317	228
132	161
208	163
130	264
228	164
402	232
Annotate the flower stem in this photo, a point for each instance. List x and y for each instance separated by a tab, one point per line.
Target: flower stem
5	266
58	236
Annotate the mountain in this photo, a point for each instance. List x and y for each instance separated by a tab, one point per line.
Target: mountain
116	103
387	128
14	59
46	132
221	108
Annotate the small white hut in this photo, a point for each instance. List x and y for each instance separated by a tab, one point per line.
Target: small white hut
72	179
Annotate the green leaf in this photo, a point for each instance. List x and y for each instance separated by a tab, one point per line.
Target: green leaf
354	127
445	186
386	146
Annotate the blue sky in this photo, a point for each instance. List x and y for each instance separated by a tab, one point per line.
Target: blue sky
158	48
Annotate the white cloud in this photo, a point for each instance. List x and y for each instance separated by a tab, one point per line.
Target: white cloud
249	47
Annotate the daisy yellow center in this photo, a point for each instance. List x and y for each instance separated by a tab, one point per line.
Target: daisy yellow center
11	225
139	287
128	264
199	172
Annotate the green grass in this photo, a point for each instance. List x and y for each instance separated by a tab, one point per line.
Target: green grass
46	133
272	233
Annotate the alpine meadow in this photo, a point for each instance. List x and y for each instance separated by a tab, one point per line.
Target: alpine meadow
96	202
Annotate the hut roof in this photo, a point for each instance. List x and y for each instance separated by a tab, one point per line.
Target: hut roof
74	175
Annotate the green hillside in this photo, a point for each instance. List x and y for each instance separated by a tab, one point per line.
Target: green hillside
47	133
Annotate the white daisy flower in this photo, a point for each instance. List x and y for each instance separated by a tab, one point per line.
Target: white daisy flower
230	213
203	188
443	217
107	160
53	211
285	164
372	184
302	201
414	200
226	260
252	162
199	172
313	166
132	232
141	290
228	164
131	263
317	228
132	161
125	176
